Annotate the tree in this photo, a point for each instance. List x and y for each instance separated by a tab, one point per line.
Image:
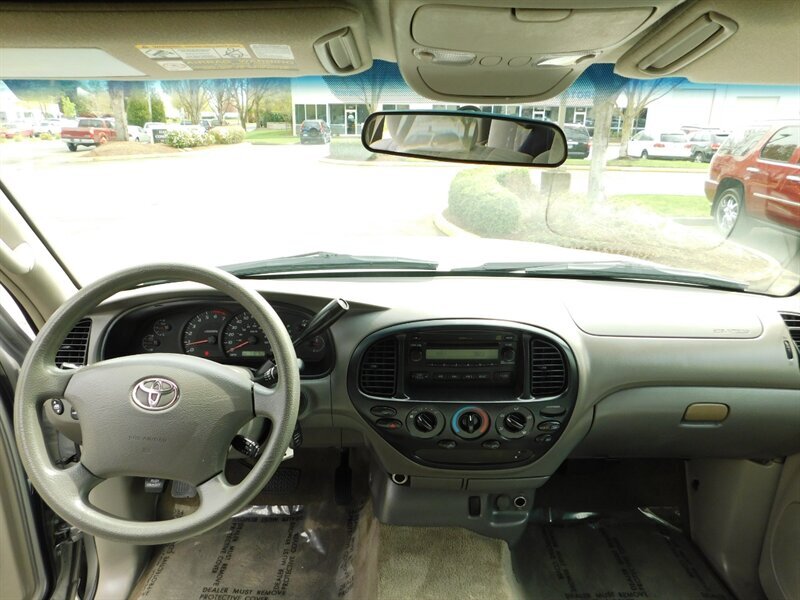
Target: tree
191	95
366	87
605	87
116	91
158	114
219	97
247	95
41	93
639	93
68	107
138	111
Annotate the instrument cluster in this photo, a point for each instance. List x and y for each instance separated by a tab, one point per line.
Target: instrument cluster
221	331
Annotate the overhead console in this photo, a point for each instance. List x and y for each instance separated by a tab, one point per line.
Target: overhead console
465	393
521	52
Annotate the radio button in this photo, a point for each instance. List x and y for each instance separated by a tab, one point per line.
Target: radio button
503	377
507	354
419	375
415	355
482	376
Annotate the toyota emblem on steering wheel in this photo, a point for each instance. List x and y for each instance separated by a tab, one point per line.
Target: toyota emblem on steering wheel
155	393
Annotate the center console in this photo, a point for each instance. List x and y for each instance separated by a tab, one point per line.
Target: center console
465	394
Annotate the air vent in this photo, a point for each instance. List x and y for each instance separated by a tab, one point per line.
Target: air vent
548	370
378	375
73	349
792	321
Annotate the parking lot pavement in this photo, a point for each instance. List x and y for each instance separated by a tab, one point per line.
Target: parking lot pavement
210	205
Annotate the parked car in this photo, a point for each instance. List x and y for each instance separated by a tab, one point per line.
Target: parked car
49	126
89	132
20	129
667	144
755	175
150	125
705	143
138	134
579	143
315	131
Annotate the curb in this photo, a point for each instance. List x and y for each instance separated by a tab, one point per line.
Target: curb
694	221
369	163
450	230
635	169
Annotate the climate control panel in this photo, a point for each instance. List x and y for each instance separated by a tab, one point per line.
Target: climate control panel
449	417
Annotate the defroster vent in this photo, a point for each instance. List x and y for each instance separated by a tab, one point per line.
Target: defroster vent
75	346
378	373
792	321
548	370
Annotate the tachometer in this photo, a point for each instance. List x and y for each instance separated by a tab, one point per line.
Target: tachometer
201	336
244	338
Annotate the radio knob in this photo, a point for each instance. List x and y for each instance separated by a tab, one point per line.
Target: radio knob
515	422
415	355
507	354
425	422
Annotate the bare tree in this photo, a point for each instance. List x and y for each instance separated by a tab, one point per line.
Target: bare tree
247	95
191	95
116	91
640	93
219	97
606	87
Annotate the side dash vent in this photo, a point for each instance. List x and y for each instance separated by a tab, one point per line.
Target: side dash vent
548	370
792	321
378	370
75	346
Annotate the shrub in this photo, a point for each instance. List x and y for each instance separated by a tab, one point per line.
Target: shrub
517	181
187	139
227	134
18	138
480	203
46	136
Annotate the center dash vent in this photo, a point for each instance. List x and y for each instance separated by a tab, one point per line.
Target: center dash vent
548	370
792	321
378	371
74	348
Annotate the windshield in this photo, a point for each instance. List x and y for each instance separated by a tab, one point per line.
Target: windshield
227	172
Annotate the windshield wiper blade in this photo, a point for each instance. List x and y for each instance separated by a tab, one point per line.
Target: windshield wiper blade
611	270
327	261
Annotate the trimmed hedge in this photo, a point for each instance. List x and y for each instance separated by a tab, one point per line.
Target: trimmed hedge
187	139
227	134
484	200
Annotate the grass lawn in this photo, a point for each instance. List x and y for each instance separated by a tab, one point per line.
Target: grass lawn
666	205
652	162
271	136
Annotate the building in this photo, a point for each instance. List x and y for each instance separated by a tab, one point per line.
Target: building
13	110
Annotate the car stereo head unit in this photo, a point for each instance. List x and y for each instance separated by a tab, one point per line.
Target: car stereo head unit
456	356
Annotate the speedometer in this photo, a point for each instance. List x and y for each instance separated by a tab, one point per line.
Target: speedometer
202	334
244	338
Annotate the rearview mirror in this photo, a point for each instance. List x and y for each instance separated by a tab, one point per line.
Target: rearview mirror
465	136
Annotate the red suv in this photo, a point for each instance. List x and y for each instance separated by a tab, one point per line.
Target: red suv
755	175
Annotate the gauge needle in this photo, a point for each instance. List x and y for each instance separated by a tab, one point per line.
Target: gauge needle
239	345
205	341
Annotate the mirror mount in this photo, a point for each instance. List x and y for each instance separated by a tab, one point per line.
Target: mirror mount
465	136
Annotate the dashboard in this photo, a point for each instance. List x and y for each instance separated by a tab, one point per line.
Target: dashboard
463	382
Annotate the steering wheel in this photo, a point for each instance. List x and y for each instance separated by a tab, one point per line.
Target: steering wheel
169	416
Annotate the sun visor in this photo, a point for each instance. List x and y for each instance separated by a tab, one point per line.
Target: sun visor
455	52
167	41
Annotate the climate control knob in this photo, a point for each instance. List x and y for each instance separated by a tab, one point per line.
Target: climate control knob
425	421
470	422
514	422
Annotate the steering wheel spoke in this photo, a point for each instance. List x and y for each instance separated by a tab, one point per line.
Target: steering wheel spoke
270	403
77	480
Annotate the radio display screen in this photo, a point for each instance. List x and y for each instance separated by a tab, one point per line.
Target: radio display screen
462	353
